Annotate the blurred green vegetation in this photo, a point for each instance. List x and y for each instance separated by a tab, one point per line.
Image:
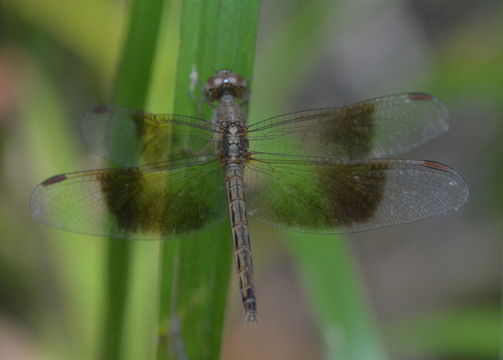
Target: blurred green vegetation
132	83
58	58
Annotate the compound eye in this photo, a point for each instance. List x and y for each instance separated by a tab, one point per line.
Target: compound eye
214	82
231	79
217	82
237	80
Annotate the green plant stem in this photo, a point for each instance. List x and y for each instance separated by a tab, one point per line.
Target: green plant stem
131	90
214	34
326	265
338	301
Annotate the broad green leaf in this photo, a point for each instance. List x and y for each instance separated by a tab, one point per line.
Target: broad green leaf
215	34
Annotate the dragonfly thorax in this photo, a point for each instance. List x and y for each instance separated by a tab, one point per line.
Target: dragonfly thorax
233	143
233	146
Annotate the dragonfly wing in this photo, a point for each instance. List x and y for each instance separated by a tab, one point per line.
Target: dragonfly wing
340	197
132	137
369	129
147	202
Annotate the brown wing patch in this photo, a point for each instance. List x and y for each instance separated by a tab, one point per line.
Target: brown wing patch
374	128
313	195
147	202
128	210
150	202
351	129
353	191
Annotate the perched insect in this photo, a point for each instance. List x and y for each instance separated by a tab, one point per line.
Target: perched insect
317	171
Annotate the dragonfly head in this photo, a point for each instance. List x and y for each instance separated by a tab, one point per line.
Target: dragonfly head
225	82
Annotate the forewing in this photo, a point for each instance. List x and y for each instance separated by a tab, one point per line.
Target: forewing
323	197
131	137
369	129
148	202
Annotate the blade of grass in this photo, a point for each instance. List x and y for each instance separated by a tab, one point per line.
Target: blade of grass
194	275
70	332
332	282
131	90
327	269
289	50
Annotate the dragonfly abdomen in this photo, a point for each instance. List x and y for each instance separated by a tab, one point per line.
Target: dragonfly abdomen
241	238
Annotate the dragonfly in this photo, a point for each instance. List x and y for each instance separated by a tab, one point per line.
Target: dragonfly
317	171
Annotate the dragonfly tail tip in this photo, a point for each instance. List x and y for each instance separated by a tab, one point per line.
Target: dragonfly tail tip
251	318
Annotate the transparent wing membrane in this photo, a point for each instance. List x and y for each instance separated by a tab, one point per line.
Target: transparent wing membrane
306	171
320	196
374	128
132	137
155	201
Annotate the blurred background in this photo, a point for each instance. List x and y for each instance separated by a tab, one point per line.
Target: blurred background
433	287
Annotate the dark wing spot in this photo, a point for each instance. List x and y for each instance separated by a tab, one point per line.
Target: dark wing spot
121	189
351	130
354	191
151	203
100	109
139	122
420	96
54	180
436	165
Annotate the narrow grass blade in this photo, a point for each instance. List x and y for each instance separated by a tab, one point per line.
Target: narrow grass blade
131	90
325	263
214	34
333	285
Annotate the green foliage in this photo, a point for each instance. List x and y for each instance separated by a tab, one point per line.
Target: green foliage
193	273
